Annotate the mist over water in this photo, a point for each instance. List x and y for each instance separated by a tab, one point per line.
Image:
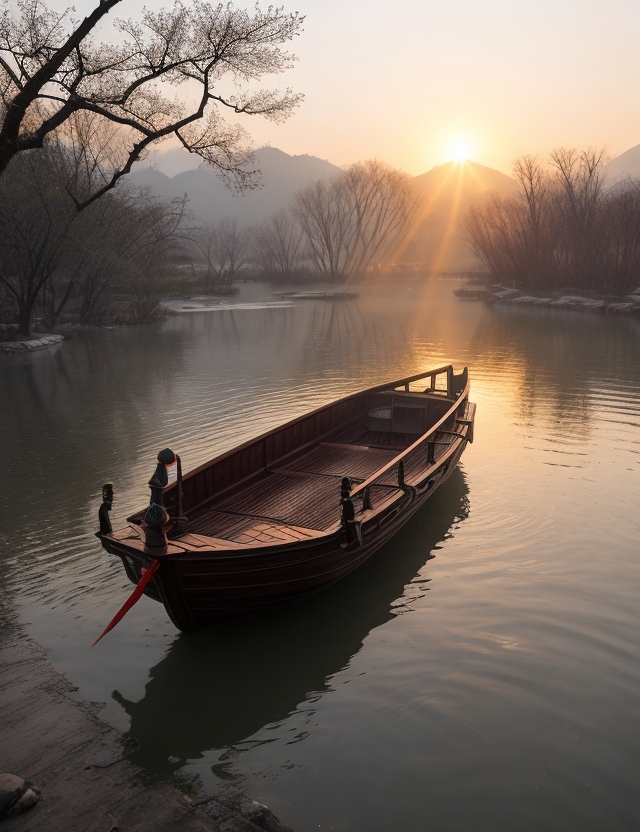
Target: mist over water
480	671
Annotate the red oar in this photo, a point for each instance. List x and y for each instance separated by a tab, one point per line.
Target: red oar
133	598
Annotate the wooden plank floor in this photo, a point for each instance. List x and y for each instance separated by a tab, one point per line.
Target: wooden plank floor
304	500
249	530
345	461
302	497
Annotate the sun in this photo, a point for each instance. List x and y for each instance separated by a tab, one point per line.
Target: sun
459	152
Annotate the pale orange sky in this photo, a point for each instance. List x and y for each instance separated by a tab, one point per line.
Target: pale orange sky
402	81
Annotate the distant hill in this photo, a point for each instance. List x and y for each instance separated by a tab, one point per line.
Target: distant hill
437	240
170	162
209	198
447	192
625	165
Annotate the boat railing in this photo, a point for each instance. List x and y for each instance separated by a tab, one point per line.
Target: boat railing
432	375
424	445
253	458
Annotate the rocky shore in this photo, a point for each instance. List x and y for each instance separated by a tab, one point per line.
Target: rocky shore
39	343
78	765
629	305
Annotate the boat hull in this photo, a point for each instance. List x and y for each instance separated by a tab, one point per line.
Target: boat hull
207	587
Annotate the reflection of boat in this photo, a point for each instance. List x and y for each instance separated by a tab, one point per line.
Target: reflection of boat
295	510
244	675
341	295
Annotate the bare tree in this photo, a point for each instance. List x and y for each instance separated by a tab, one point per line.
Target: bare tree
92	148
122	243
537	230
580	176
349	222
383	202
36	214
564	229
276	246
50	253
224	248
326	220
52	67
490	228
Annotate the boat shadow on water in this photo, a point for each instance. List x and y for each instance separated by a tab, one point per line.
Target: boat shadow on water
216	688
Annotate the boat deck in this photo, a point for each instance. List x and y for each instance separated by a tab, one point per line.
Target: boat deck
300	500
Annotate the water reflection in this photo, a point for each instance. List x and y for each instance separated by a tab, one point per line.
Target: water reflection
557	363
219	687
512	683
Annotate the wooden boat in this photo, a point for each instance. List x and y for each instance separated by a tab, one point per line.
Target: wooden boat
293	511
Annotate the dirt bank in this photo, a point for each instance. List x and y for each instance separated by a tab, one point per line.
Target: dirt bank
79	763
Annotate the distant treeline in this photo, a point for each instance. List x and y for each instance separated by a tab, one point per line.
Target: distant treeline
334	230
113	260
566	229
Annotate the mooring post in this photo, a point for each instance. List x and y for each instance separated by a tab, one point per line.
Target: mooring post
179	484
105	508
348	513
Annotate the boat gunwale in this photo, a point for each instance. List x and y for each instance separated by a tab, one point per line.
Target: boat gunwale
435	429
368	391
315	535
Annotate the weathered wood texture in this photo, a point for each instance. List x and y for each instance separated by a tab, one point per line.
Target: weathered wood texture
210	480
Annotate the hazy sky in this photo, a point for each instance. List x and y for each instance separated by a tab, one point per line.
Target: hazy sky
402	81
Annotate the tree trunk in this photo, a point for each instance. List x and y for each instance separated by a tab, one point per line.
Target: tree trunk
57	312
25	311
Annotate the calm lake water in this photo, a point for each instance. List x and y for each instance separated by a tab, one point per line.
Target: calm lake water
482	671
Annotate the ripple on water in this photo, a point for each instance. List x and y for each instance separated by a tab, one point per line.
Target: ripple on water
480	671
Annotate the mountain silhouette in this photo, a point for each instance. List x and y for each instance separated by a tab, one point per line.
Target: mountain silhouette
447	192
625	165
437	239
211	200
